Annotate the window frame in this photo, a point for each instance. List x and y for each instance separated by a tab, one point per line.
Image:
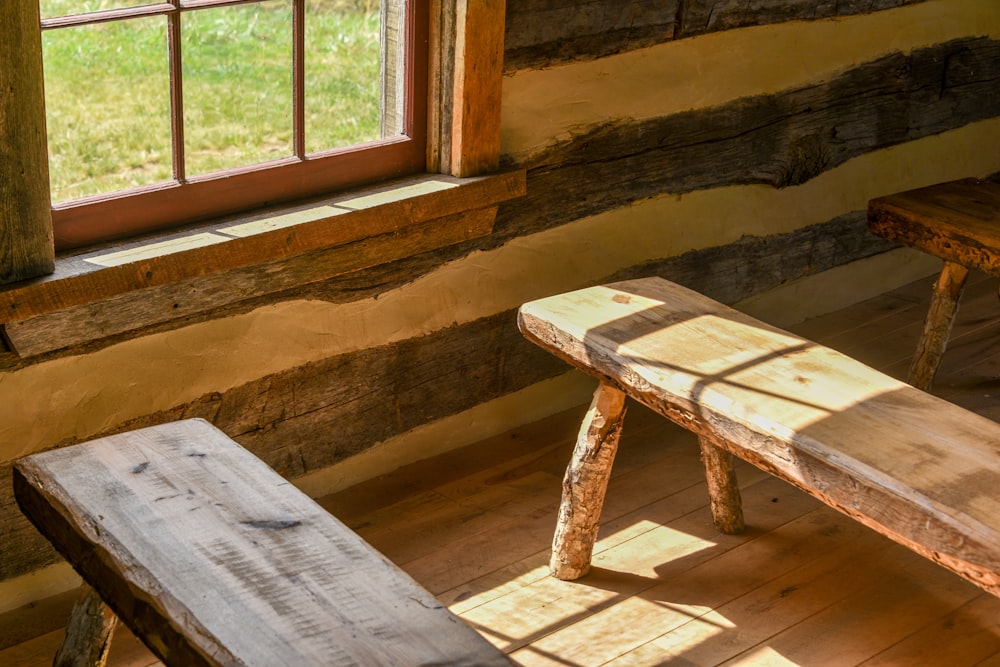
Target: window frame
81	222
78	305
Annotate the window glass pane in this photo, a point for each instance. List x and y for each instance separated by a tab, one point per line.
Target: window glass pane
53	8
107	99
342	70
237	71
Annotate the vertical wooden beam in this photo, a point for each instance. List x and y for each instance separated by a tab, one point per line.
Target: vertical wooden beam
586	483
26	249
937	327
478	82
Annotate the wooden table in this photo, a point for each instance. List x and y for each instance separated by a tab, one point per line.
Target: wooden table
959	222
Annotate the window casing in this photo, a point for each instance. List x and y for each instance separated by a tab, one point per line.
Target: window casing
188	198
42	310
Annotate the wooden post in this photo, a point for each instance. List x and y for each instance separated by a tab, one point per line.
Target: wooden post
944	304
26	249
723	490
585	484
393	91
478	76
88	632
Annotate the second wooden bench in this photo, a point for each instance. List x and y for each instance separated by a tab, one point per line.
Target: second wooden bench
212	558
916	468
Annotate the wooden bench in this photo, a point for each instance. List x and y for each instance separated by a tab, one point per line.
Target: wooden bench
918	469
212	558
959	222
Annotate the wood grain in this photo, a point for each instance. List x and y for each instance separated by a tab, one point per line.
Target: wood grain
699	17
25	217
78	282
544	32
585	483
781	140
478	73
957	221
213	559
89	631
723	487
937	326
915	468
132	310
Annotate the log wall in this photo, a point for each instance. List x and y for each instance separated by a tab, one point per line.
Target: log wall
730	149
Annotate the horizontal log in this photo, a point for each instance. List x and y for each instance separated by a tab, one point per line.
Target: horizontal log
752	265
545	32
248	241
698	17
780	140
175	301
312	416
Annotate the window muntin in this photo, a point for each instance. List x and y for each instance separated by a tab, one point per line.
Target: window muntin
301	140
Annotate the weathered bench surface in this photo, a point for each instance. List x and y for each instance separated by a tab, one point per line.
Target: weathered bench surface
958	221
914	467
213	558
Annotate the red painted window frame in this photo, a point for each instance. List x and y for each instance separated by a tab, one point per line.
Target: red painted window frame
91	220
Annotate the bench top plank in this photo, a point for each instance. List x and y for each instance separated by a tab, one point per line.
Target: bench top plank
958	221
921	470
217	560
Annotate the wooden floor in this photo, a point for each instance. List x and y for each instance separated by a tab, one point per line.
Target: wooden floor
802	586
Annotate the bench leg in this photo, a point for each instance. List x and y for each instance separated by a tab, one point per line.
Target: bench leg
723	490
88	632
585	484
937	326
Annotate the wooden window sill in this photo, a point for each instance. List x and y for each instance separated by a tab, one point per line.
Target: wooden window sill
102	292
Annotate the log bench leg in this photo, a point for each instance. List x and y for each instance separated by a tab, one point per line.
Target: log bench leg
944	304
723	490
585	484
88	632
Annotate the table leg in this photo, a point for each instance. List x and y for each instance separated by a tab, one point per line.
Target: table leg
937	326
586	483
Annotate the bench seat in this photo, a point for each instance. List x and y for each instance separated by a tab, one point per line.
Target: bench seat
916	468
212	558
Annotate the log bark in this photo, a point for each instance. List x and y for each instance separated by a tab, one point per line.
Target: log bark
586	483
544	32
937	326
88	633
784	139
723	489
25	206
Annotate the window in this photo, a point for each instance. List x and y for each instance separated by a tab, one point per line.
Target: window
167	113
462	141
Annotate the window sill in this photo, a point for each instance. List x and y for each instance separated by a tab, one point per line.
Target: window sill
100	293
